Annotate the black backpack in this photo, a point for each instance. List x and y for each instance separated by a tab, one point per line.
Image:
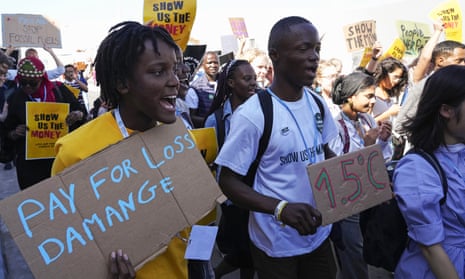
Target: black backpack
266	105
233	236
383	227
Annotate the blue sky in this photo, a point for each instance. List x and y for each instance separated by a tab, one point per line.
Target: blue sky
84	23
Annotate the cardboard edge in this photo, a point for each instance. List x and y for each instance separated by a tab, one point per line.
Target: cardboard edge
142	263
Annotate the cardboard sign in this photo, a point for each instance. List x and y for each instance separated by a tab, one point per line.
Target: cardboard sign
360	35
414	35
175	16
25	30
135	195
205	140
46	124
348	184
238	27
450	13
229	43
225	58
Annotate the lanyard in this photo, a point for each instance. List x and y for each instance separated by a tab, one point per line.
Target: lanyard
45	94
312	155
120	123
357	125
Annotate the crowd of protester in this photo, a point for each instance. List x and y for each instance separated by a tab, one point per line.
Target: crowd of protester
316	107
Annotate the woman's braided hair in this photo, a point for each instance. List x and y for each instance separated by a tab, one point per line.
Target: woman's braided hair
118	54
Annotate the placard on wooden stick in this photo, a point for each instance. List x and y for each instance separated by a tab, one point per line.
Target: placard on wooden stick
348	184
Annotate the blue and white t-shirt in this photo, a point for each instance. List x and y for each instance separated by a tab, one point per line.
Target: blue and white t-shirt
282	172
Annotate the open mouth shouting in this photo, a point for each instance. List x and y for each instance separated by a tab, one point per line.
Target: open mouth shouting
169	103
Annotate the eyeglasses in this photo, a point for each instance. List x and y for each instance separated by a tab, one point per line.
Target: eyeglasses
30	82
394	77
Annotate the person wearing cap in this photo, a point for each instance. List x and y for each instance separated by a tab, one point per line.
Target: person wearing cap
34	86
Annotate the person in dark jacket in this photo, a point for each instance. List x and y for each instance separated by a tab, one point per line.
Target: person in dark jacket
34	86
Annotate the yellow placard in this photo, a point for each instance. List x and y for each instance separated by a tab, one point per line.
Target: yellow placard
450	13
73	90
176	16
366	56
205	139
396	50
46	123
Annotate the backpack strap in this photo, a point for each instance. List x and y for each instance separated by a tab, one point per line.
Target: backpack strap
430	158
346	135
320	104
220	129
266	104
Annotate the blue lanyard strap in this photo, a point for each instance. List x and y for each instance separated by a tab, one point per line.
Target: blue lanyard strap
312	155
120	123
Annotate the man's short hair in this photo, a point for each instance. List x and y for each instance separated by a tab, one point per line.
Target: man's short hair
445	48
281	28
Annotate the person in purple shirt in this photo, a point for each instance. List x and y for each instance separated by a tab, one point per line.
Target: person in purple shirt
436	248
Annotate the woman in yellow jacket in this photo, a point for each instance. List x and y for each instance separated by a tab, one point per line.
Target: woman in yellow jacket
135	67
